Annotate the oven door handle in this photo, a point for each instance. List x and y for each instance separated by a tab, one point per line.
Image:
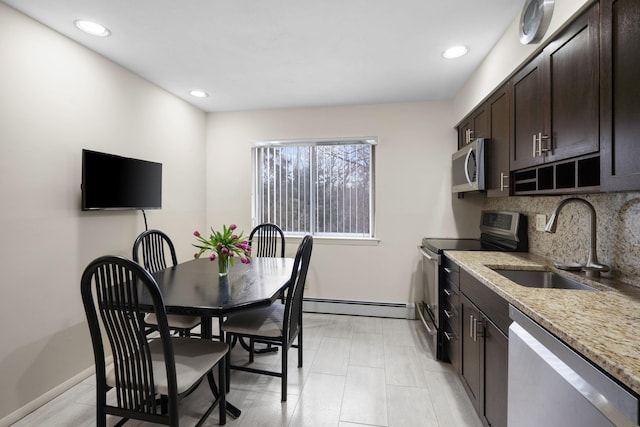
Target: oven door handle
429	255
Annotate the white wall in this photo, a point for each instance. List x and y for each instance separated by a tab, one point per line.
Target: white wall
413	197
57	98
506	56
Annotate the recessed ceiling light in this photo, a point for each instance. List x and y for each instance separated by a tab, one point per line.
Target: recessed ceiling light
455	52
92	28
198	93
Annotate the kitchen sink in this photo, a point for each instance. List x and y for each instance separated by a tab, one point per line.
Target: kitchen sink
542	279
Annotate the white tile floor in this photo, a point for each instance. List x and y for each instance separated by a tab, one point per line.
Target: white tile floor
358	371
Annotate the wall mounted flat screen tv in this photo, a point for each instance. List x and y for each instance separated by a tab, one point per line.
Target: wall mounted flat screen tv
115	182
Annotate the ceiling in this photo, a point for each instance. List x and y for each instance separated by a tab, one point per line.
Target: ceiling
265	54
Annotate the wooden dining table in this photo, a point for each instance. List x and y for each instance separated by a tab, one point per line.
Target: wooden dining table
195	288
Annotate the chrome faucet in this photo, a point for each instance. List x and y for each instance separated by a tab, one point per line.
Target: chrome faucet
593	268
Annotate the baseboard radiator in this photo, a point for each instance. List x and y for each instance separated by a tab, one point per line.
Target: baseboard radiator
360	308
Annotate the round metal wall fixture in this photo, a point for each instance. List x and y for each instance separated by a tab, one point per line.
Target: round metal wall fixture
535	19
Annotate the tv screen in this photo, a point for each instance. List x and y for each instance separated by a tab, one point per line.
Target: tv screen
115	182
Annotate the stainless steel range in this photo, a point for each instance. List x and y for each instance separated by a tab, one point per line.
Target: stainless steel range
500	231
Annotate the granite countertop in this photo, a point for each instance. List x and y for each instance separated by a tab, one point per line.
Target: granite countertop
603	325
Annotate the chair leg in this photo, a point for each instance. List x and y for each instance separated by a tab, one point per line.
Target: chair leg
300	348
252	349
284	372
164	405
101	401
222	378
101	417
227	358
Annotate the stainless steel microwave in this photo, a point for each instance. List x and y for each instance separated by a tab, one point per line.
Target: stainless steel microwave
468	167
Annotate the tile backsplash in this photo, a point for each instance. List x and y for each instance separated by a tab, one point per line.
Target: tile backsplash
617	224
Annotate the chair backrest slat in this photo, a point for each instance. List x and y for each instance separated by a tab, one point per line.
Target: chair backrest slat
150	248
265	240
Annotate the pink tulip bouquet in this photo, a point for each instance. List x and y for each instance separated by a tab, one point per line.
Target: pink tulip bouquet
224	246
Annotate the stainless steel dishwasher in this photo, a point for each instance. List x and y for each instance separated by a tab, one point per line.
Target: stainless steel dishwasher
552	385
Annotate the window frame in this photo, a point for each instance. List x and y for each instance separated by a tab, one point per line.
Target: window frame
327	237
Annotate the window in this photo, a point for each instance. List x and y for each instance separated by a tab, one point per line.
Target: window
323	187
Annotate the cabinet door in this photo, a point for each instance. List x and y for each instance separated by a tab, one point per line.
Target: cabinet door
474	126
620	91
496	356
464	130
527	113
470	369
498	147
572	87
480	122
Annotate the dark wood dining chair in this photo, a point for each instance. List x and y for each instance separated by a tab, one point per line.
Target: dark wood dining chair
265	240
150	375
150	249
278	324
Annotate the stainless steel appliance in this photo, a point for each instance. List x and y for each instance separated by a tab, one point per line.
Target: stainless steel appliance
552	385
468	167
500	231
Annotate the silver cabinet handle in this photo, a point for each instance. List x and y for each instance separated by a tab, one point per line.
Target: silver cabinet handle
449	314
504	177
448	270
447	292
540	138
468	136
478	327
537	144
537	147
475	324
471	322
450	337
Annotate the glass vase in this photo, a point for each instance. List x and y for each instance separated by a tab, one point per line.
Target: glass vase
223	265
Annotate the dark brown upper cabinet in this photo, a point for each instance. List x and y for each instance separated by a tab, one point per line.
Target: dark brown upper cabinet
620	95
555	98
497	149
527	114
475	125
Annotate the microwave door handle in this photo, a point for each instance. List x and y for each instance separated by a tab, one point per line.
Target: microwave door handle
466	166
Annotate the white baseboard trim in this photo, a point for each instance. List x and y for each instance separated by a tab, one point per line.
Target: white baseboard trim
25	410
360	308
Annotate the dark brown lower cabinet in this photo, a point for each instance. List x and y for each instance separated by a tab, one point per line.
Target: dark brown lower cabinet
471	350
485	349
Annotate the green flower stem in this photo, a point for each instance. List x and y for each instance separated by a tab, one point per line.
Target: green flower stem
223	264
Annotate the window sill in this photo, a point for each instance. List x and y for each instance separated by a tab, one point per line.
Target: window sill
343	241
